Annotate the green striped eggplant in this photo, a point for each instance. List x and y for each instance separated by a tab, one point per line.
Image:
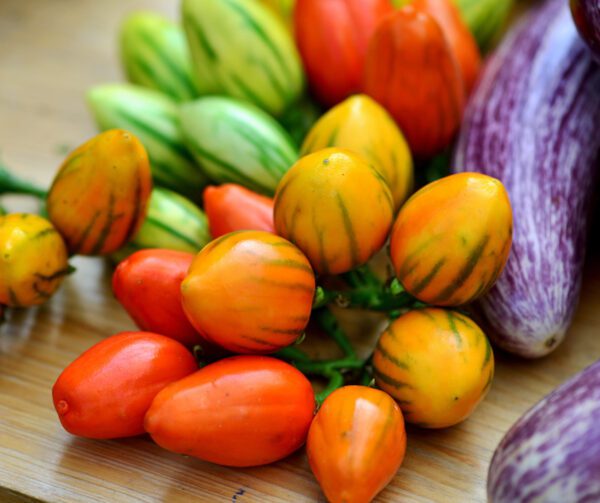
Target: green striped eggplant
173	223
485	18
155	54
240	48
154	119
237	142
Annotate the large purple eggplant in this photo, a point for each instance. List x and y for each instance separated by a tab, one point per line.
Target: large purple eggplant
586	14
534	123
552	454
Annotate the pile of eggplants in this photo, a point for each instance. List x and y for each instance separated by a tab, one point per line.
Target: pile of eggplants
534	123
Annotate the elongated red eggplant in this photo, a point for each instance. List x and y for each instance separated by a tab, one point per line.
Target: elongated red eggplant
586	14
533	123
553	452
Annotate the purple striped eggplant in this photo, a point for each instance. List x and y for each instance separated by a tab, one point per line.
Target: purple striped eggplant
533	123
586	14
552	454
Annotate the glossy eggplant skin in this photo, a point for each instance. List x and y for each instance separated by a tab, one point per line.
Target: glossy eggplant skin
586	14
533	123
552	453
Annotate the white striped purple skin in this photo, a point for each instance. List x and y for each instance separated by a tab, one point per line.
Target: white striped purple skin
533	123
552	454
586	14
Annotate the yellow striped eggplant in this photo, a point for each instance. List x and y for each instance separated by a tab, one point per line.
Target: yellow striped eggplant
249	292
99	196
173	223
155	54
154	119
436	363
33	260
452	239
361	124
237	142
336	208
240	48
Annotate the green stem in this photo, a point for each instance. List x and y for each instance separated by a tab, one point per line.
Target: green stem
329	323
336	380
323	368
362	276
12	184
293	354
366	298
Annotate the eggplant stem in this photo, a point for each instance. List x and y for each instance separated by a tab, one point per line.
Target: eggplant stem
12	184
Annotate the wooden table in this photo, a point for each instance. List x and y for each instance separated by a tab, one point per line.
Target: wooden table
50	53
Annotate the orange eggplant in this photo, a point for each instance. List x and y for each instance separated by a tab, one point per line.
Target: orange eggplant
33	260
362	125
148	286
436	363
240	411
231	207
411	70
99	197
332	37
106	392
249	292
356	443
461	40
336	208
452	239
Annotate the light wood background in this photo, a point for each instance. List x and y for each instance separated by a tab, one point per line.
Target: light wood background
50	53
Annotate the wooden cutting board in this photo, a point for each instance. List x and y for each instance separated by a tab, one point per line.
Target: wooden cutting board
50	53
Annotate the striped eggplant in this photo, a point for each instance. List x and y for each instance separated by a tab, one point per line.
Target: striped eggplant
411	70
436	363
240	48
155	54
173	223
552	453
33	260
332	38
441	254
154	118
533	123
586	14
336	208
99	197
249	292
237	142
362	125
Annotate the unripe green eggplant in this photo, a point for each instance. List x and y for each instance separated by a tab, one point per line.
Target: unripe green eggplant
154	118
155	54
173	223
240	48
237	142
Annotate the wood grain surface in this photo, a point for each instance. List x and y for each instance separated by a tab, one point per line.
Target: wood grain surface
50	53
